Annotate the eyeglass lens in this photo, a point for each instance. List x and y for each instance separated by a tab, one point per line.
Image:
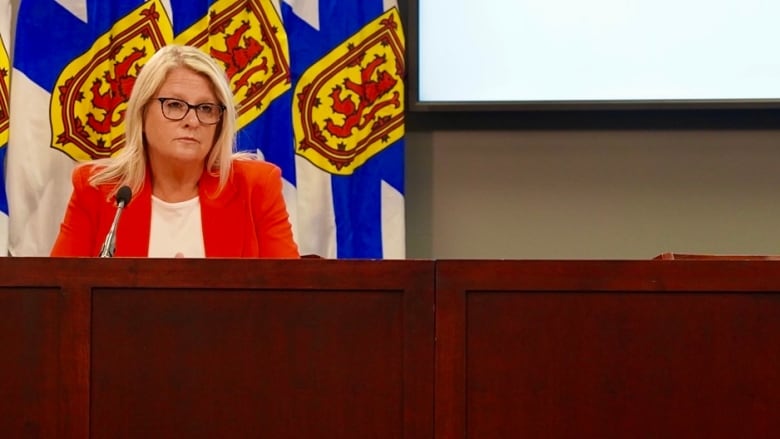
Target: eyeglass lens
177	109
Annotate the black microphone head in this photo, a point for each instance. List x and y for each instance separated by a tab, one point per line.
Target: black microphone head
123	195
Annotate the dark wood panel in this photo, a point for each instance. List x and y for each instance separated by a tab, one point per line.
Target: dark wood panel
29	369
608	349
302	349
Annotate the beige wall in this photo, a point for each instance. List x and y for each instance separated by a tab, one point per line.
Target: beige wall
591	194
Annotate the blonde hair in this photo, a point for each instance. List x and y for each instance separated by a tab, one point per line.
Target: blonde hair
129	166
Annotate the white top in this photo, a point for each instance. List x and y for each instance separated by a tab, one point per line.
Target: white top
176	230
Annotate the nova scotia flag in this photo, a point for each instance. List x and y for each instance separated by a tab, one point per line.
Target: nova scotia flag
347	63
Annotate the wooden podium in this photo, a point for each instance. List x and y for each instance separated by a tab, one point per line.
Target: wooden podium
389	349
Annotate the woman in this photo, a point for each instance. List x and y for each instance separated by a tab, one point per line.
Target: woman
192	195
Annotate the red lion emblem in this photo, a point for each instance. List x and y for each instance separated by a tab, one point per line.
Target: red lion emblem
120	86
236	58
368	92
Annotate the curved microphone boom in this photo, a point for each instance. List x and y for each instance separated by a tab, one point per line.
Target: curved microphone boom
123	196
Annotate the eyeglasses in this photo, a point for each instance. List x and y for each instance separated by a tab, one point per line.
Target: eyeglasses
176	109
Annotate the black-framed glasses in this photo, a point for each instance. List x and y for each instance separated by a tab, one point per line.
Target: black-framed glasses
176	109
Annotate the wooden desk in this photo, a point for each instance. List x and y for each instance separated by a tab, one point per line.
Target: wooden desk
322	348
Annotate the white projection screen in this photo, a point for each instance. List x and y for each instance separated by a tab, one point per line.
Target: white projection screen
573	54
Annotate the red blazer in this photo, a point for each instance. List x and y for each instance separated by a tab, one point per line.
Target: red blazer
247	219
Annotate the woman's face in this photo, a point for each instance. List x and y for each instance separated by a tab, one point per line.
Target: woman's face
186	141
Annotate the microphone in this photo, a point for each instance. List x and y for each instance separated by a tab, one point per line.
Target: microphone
109	245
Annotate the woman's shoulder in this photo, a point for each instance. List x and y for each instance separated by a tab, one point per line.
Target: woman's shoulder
83	171
254	167
82	178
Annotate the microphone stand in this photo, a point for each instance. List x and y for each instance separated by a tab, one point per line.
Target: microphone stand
109	245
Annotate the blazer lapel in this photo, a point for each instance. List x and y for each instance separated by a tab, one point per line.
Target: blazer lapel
135	225
223	219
